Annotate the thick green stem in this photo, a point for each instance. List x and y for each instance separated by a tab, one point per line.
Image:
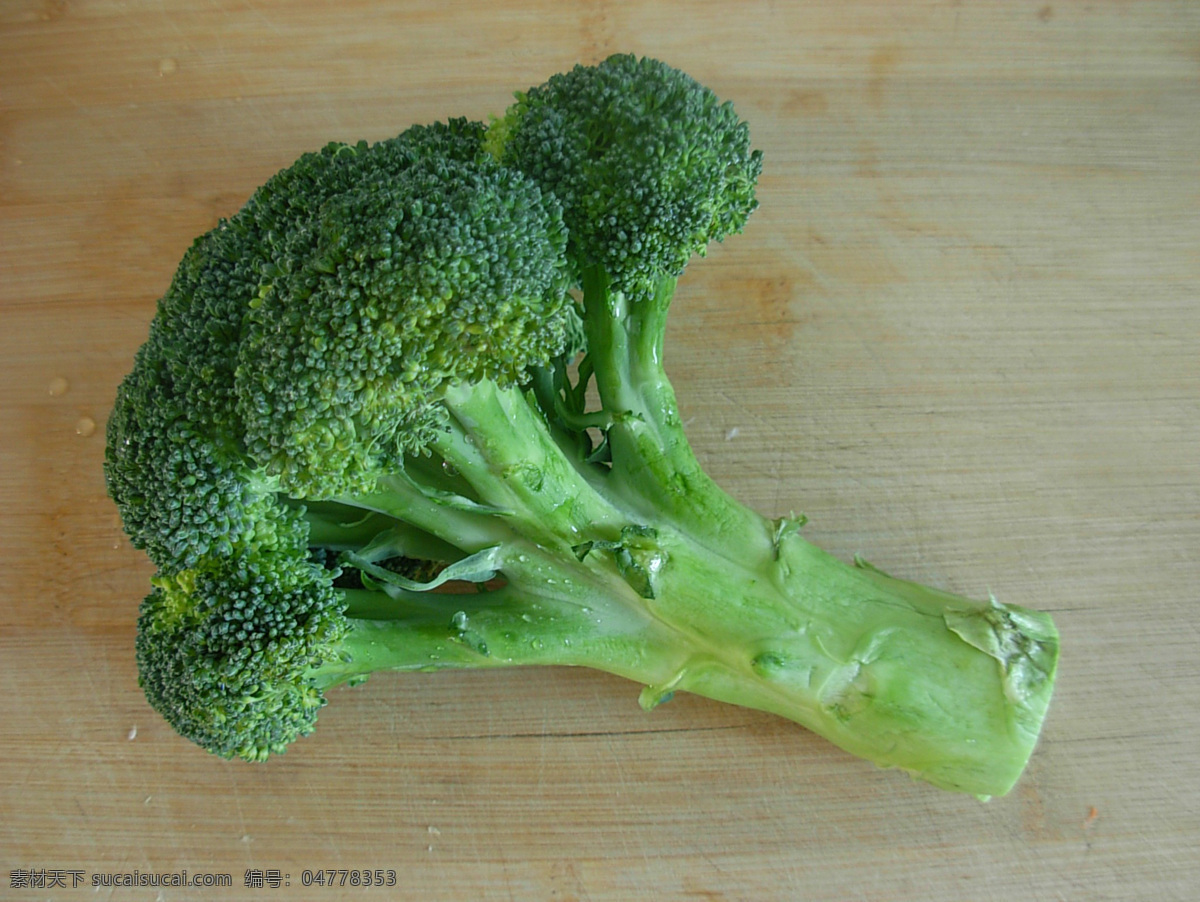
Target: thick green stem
660	577
949	689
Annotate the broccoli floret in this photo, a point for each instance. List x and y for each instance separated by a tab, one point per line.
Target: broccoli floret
445	273
375	382
225	650
649	165
189	459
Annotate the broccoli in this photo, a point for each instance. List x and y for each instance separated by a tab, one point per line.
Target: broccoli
377	383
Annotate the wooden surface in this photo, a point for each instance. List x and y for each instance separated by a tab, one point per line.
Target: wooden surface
962	334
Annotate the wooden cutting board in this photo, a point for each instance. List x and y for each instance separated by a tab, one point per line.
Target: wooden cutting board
962	334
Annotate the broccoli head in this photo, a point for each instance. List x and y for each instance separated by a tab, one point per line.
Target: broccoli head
436	363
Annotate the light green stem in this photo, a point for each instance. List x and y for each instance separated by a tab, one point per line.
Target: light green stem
654	465
947	688
688	590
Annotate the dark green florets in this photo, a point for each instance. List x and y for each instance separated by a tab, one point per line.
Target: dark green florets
225	651
649	165
448	272
295	194
299	351
249	379
172	460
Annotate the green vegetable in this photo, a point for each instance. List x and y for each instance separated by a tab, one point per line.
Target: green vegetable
371	384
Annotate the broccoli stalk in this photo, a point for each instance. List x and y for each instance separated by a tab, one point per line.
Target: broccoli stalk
946	688
371	385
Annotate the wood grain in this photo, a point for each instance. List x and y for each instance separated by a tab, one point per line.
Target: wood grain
962	334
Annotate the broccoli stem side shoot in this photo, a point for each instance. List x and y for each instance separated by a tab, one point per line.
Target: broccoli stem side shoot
658	470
